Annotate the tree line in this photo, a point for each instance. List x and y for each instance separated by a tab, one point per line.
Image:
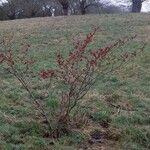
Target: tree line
17	9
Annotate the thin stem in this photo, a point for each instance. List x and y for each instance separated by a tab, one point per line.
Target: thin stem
21	80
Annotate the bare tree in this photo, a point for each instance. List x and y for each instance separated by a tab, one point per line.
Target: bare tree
65	6
83	6
137	5
46	7
31	8
2	14
11	8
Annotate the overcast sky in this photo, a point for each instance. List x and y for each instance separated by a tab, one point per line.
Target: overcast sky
145	6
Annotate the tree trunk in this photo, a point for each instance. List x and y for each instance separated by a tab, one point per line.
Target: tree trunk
65	10
11	16
136	6
82	7
65	6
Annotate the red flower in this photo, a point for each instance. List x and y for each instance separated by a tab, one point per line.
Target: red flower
29	62
10	61
80	48
2	57
46	74
60	61
93	63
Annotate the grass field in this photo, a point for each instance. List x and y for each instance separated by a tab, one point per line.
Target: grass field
124	127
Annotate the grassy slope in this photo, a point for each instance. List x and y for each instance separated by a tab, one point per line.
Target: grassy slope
130	88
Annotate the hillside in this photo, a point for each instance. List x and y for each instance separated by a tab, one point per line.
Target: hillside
123	125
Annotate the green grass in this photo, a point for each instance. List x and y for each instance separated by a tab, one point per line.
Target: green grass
20	126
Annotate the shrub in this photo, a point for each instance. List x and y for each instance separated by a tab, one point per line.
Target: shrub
71	79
